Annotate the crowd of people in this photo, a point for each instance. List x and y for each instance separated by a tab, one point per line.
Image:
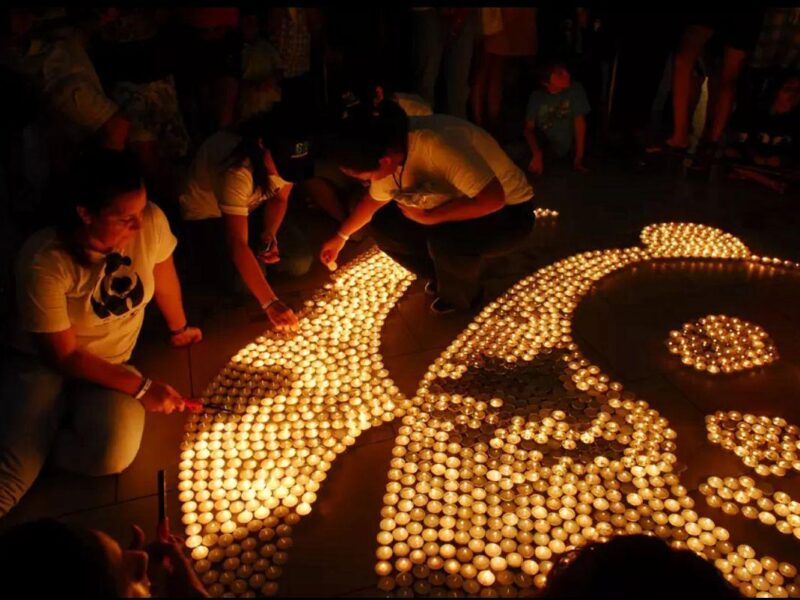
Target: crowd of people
130	129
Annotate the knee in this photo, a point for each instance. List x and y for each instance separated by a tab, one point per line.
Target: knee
297	265
115	439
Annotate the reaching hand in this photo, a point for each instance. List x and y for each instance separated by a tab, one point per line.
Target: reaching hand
162	398
169	571
282	317
330	250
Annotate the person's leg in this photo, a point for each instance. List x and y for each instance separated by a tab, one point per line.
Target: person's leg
31	412
725	92
457	67
458	250
429	46
103	431
295	251
494	102
477	92
402	239
694	39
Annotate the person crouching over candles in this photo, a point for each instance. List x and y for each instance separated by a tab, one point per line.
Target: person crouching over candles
442	197
236	199
67	392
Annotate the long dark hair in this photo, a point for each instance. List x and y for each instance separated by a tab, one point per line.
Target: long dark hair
366	134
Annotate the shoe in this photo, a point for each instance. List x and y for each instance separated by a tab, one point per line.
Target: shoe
665	148
431	288
440	307
705	156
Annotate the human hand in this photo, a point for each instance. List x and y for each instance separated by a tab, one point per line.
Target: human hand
536	165
330	250
271	254
162	398
169	569
187	337
281	316
421	216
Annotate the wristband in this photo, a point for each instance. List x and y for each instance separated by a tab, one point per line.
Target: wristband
343	236
266	305
179	331
146	383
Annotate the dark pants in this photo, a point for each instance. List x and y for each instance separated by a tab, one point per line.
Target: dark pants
452	253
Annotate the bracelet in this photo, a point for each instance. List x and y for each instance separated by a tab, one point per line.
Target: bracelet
179	331
146	383
266	305
343	236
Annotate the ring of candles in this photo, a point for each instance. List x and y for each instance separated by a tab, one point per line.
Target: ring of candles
722	344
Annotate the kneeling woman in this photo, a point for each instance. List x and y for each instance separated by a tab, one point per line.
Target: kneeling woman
67	392
458	198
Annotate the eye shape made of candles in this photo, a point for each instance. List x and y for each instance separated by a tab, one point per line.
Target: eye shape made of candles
722	344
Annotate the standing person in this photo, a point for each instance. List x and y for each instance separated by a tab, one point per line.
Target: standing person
295	32
443	196
68	391
443	40
557	112
51	54
135	63
238	176
261	63
517	38
738	31
209	66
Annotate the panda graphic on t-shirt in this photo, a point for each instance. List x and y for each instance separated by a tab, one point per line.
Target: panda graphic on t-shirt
120	290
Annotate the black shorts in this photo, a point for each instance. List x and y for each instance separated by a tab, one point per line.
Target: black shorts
736	29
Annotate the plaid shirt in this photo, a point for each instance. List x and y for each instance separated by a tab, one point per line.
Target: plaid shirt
293	42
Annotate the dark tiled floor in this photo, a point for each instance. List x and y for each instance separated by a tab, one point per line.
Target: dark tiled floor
621	325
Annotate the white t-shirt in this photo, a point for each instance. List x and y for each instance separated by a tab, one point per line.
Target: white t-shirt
103	302
449	157
214	189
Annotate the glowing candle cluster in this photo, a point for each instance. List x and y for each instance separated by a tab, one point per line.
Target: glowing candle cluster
545	213
690	240
514	450
768	445
722	344
297	402
517	449
773	509
765	577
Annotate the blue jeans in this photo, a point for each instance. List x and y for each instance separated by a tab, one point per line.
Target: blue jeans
432	51
82	427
